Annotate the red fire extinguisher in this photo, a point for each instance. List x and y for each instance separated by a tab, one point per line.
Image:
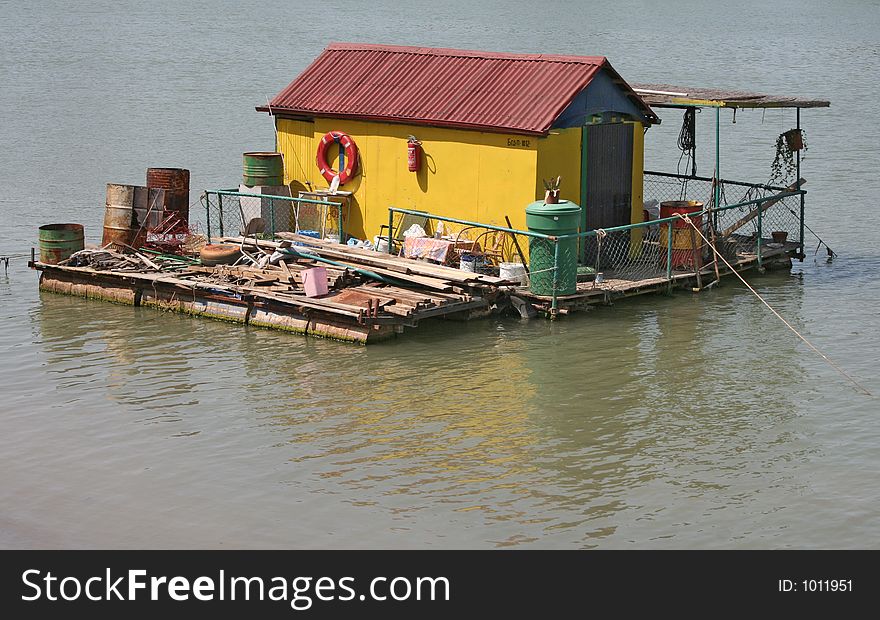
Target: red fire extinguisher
413	154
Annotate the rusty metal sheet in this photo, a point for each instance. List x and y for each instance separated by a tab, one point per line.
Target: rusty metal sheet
518	93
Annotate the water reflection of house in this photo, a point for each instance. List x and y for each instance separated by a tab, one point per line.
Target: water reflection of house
491	127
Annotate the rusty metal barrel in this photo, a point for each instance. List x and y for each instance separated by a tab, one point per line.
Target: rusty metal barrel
149	212
59	241
149	207
684	252
175	182
120	225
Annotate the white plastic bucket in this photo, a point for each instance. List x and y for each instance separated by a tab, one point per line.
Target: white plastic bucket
471	262
513	271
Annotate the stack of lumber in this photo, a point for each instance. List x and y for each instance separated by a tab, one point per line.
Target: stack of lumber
407	303
403	270
367	303
282	275
366	287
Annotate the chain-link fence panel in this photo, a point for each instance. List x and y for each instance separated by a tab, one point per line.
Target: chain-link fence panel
664	188
781	221
624	256
229	213
736	229
773	220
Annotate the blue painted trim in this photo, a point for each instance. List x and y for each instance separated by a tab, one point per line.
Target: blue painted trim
601	96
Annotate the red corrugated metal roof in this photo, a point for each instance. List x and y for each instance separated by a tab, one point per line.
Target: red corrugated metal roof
473	90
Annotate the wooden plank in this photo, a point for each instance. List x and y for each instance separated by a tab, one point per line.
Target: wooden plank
359	298
454	296
425	281
386	261
477	302
286	271
413	297
312	302
395	265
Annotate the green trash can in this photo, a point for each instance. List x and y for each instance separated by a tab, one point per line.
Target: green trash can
59	241
553	219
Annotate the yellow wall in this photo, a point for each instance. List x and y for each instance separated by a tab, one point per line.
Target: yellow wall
559	154
465	174
638	181
638	173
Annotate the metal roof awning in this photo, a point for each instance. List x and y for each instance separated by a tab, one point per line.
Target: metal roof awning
668	96
484	91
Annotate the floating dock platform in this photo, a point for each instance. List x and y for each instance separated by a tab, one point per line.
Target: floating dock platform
372	296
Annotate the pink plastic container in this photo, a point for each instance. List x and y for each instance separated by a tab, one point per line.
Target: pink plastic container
315	281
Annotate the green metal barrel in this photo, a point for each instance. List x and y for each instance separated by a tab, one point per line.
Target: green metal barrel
263	169
59	241
553	219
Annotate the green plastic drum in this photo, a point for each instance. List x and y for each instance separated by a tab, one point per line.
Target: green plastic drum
553	219
263	169
59	241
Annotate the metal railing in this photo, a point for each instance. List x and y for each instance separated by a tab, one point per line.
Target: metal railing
616	258
662	187
496	244
227	213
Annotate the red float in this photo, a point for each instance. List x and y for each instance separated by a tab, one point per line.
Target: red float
350	156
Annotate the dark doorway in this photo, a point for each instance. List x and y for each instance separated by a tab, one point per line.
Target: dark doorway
606	179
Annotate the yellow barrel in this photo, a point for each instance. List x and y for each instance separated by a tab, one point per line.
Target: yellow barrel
683	235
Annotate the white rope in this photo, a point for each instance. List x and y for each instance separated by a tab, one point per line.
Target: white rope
779	316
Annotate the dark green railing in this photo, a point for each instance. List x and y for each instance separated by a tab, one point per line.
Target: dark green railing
652	258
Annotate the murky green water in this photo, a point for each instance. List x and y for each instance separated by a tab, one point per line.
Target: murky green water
692	421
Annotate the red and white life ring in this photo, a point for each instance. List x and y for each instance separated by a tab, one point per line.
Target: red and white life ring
351	156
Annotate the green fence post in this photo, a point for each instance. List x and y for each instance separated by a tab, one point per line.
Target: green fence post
341	234
390	225
272	216
669	257
555	304
220	209
760	234
207	198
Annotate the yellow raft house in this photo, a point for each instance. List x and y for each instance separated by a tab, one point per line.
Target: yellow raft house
410	183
